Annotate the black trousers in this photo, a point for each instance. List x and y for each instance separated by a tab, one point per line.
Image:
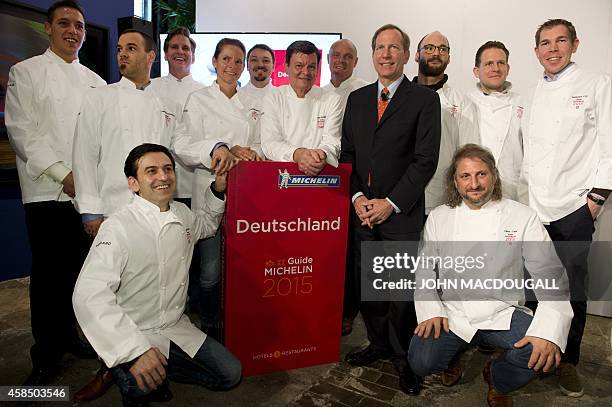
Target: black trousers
389	324
577	228
59	246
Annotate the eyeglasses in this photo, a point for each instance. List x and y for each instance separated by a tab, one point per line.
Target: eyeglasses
430	49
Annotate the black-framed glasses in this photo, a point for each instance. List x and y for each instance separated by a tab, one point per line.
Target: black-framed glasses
430	49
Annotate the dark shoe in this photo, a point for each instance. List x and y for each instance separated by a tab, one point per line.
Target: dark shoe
451	376
347	326
40	376
569	380
494	398
364	357
485	348
96	387
409	382
161	394
82	350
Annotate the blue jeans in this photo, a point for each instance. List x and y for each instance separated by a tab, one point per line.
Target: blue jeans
210	273
213	367
508	372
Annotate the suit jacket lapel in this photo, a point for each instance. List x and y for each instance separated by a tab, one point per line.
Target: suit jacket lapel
371	108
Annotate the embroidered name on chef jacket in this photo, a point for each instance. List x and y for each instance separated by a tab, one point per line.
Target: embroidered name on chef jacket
321	121
578	101
510	235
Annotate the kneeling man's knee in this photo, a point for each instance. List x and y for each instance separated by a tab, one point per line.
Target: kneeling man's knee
232	373
420	356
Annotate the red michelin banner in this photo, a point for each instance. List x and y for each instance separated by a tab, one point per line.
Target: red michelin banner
285	252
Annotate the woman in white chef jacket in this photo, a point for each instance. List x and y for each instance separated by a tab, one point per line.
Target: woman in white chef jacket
218	113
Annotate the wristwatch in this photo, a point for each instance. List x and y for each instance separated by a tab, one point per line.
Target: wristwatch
596	198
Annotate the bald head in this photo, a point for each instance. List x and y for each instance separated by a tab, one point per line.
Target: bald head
345	42
437	37
342	59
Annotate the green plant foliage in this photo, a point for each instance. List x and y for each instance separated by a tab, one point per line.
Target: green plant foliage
178	13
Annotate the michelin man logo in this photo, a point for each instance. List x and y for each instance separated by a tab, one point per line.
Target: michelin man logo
283	179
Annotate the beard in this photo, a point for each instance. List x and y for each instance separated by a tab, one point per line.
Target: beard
484	197
260	74
427	70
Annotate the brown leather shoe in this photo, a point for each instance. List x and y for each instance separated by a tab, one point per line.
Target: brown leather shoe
96	387
347	326
494	398
451	376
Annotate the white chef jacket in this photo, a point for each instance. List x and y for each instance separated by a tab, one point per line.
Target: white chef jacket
344	90
113	120
459	126
254	104
211	117
499	120
131	292
289	123
43	98
567	135
501	220
178	90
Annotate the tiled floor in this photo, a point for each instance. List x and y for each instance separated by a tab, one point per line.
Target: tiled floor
326	385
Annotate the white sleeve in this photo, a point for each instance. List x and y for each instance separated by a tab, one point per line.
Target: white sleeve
191	150
26	125
603	118
86	155
330	143
273	140
427	303
111	332
207	208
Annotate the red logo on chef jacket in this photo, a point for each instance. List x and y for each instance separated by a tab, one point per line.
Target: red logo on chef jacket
279	76
519	112
188	235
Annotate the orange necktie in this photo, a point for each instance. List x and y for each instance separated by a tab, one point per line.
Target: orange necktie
383	102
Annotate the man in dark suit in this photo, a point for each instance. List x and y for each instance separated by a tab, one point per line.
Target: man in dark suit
391	136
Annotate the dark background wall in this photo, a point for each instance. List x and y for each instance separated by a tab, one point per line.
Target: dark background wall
101	12
14	248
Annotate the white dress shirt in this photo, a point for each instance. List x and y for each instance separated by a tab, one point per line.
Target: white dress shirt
502	221
499	120
567	130
289	123
113	120
131	292
43	99
178	90
459	126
